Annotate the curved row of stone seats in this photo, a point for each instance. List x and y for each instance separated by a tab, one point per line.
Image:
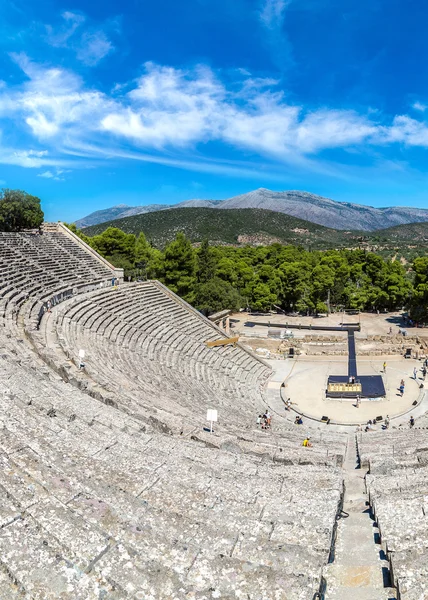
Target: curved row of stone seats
397	485
38	266
93	507
141	339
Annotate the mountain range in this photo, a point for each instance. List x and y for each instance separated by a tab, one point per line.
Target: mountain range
255	226
303	205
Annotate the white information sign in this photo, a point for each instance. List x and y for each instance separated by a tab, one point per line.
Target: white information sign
212	417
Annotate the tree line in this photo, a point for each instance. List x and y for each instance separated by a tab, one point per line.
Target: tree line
213	278
263	278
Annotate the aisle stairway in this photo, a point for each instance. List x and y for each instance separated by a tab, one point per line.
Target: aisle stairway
359	570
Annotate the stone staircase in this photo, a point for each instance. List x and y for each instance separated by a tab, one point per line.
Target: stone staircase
360	569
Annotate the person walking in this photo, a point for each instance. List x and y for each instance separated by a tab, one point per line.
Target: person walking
387	422
401	388
415	372
412	422
384	367
358	402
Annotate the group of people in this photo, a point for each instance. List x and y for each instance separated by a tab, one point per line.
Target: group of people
264	421
371	423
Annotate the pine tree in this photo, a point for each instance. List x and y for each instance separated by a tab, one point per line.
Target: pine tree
180	267
207	262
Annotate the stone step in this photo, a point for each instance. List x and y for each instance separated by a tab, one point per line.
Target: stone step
345	593
354	576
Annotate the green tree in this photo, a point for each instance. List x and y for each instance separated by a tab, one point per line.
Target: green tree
180	267
419	300
113	242
215	295
19	210
207	262
226	270
143	250
261	297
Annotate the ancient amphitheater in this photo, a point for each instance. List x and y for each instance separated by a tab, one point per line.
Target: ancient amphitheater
112	488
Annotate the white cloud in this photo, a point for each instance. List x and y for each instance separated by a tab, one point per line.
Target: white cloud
60	37
272	13
405	130
93	48
24	158
53	175
170	116
419	106
90	45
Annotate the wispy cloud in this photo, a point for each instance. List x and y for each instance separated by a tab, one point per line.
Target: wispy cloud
170	116
59	37
90	44
272	18
419	106
272	13
55	175
94	47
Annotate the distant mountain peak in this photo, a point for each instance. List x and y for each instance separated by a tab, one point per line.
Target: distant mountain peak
296	203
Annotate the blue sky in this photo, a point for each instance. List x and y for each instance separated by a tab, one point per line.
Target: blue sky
144	102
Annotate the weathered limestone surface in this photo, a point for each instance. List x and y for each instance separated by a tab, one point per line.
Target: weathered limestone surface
110	488
100	509
398	490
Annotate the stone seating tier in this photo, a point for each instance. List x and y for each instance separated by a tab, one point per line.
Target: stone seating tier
94	506
37	265
100	500
139	339
397	485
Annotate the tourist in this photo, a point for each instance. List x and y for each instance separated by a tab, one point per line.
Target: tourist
402	382
268	418
49	306
259	420
412	422
401	388
306	442
113	280
384	367
415	373
386	421
288	404
298	420
358	402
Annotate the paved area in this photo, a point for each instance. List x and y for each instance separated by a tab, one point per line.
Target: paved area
371	323
305	380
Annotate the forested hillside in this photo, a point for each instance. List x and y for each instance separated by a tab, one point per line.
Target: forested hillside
234	226
293	278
